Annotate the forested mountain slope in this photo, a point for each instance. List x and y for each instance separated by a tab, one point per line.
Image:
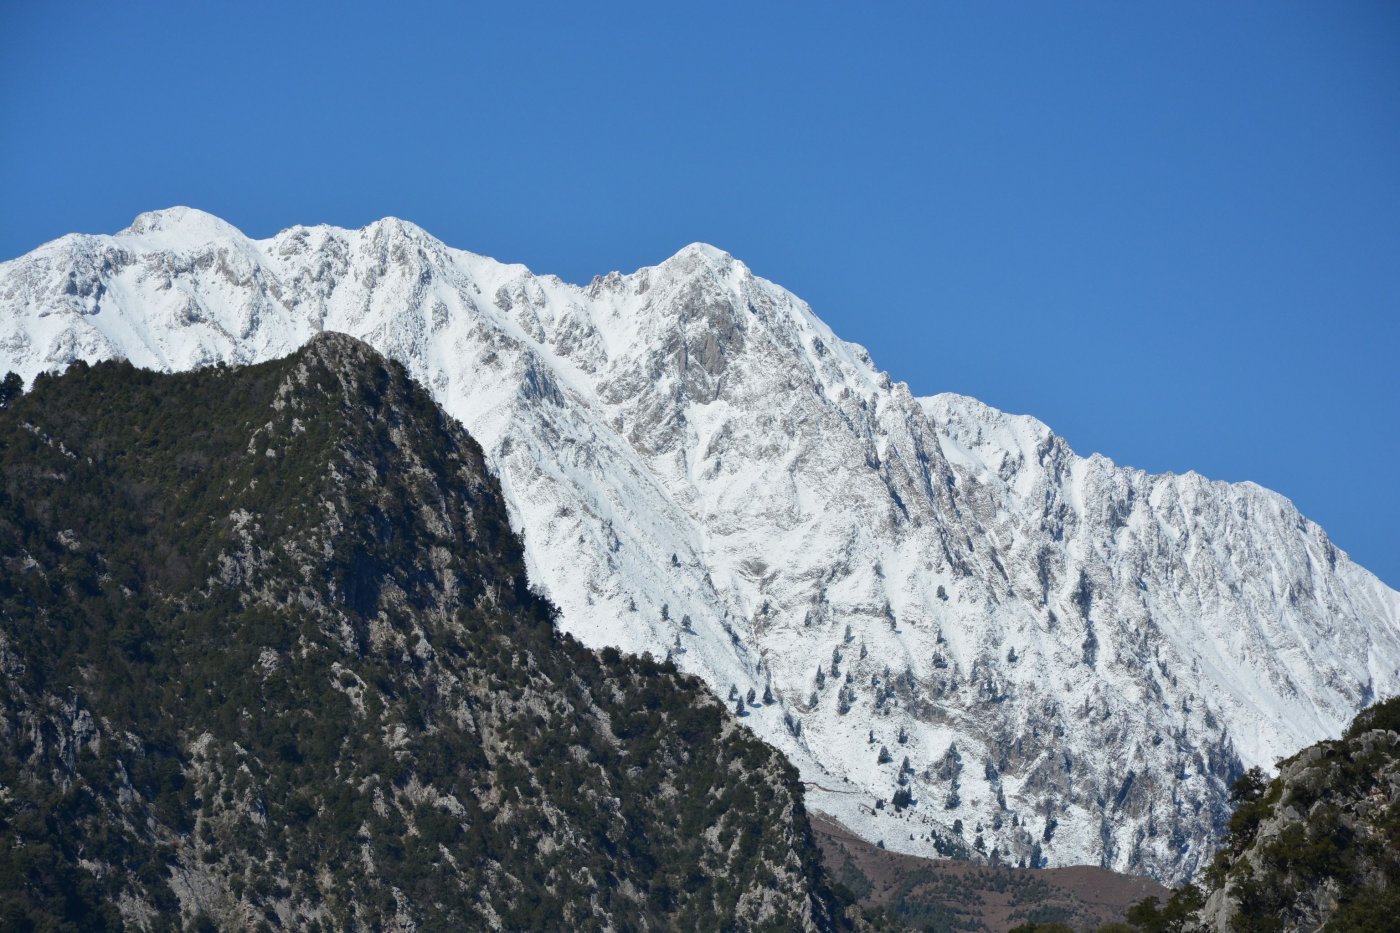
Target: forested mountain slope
268	659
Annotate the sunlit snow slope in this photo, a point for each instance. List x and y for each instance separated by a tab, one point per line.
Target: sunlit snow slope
1073	657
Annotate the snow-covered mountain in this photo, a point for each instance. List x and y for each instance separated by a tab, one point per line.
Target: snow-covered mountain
1059	658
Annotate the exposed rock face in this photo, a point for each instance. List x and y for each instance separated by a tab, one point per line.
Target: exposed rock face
267	655
1075	658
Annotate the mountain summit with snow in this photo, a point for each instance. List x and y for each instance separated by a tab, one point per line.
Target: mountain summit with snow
1042	658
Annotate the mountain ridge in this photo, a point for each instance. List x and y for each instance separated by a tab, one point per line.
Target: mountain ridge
268	659
1058	644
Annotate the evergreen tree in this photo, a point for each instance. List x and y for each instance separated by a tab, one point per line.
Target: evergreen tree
11	388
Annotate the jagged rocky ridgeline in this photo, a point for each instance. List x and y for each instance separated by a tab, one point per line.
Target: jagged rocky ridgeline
268	659
1049	658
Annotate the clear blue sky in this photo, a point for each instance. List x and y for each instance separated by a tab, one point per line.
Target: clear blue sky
1169	230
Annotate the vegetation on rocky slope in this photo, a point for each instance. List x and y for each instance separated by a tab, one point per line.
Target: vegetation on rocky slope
268	659
1316	848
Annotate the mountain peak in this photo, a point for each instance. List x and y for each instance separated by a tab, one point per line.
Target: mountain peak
397	226
701	259
698	256
331	346
184	225
704	250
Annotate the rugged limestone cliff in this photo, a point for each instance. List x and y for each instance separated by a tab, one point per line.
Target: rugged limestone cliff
268	659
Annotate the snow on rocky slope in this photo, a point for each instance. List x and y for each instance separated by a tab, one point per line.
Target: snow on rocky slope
1074	658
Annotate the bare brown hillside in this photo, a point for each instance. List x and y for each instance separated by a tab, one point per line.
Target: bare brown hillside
947	895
